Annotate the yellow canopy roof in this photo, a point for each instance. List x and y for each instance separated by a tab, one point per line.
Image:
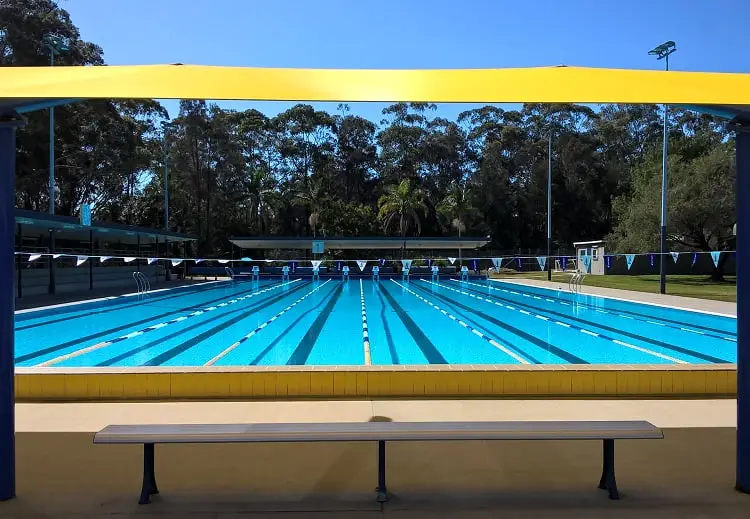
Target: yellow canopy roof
18	85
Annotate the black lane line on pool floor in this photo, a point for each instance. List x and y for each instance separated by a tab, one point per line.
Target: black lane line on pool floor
591	324
387	329
302	352
125	305
621	313
288	329
160	340
429	350
183	347
58	347
482	327
565	355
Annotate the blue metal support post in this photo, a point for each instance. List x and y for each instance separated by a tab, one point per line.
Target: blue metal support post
743	307
8	124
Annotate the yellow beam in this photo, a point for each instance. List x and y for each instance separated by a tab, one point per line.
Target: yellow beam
546	85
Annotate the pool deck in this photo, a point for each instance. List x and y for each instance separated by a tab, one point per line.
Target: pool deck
689	303
688	474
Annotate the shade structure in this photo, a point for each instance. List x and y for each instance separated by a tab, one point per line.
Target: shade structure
516	85
33	88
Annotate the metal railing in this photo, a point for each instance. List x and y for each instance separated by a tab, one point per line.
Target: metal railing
142	283
576	281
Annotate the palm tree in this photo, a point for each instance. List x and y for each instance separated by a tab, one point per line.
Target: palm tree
261	197
312	195
402	204
457	206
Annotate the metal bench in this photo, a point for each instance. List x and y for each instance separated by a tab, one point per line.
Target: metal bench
379	432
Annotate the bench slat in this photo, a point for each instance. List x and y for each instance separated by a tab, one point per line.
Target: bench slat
374	431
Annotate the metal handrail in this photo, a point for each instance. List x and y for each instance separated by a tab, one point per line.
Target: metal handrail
142	283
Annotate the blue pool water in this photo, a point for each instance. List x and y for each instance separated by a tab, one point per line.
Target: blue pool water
330	322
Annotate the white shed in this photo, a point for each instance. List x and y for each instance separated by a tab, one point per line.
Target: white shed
590	257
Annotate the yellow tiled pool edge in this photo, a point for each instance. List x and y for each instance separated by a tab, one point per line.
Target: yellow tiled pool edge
326	382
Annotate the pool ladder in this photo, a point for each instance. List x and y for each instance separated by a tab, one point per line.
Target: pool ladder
142	283
576	281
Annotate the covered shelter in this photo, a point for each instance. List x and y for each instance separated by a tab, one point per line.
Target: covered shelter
32	88
37	232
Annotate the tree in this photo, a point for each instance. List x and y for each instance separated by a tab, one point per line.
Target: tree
404	205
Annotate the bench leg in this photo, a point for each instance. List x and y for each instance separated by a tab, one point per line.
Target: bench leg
149	479
607	481
382	489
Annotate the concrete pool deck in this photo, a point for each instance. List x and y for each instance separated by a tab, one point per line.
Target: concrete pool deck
688	474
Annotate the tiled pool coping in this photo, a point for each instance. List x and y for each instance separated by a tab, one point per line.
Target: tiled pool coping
356	382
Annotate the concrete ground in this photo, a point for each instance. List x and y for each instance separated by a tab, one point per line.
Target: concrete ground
688	474
690	303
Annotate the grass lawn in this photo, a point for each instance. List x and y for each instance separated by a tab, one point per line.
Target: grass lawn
687	286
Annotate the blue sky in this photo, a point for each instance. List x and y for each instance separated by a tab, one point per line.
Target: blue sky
710	35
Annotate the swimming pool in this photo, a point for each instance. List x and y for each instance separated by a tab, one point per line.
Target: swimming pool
356	322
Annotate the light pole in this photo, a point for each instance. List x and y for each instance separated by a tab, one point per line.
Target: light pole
165	130
55	44
662	52
549	206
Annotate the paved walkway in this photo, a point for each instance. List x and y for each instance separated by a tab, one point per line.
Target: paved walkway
688	474
690	303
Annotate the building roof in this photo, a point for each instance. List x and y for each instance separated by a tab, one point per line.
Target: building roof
592	242
376	242
35	222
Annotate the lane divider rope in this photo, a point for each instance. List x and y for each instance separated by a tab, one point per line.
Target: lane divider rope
365	330
601	311
230	348
573	327
476	332
158	326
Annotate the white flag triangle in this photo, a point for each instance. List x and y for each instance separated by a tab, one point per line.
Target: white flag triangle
176	262
223	262
152	260
81	260
452	260
104	258
316	264
55	256
675	256
34	257
361	264
129	259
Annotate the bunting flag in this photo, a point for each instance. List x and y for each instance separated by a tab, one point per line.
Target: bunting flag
518	261
34	257
497	262
429	262
224	262
452	260
245	258
361	264
651	260
176	262
382	262
80	260
406	263
542	260
129	259
152	260
316	264
104	258
629	258
675	256
338	266
55	256
715	255
564	263
269	261
199	260
608	262
474	264
695	258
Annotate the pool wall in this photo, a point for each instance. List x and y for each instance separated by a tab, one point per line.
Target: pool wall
357	382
